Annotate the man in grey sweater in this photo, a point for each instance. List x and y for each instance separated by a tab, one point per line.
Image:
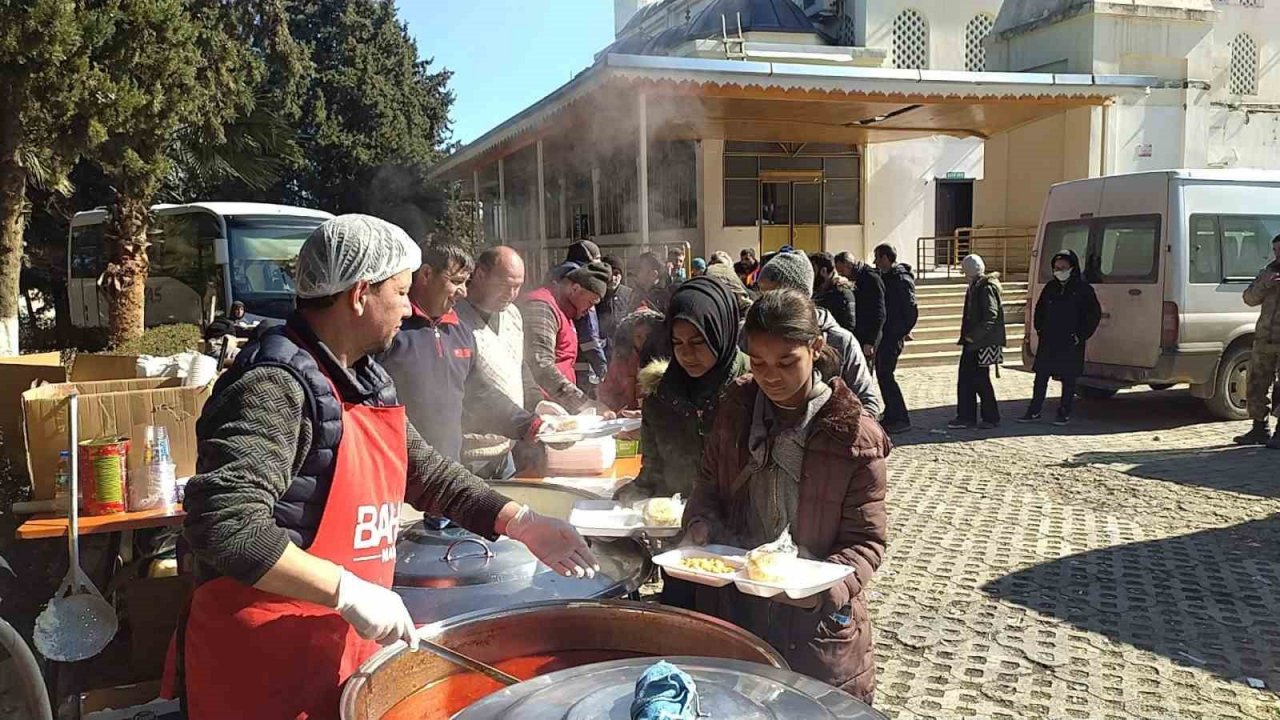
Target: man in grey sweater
793	270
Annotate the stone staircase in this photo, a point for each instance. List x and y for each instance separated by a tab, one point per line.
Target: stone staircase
941	308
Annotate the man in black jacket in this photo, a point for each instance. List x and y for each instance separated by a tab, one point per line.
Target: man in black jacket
901	314
868	291
832	291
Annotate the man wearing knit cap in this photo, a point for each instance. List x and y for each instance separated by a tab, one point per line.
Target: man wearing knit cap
593	343
793	270
551	341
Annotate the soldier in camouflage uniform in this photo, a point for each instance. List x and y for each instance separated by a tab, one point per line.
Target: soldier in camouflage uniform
1264	364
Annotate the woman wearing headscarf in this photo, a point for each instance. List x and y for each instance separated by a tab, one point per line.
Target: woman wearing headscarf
702	326
1067	315
792	452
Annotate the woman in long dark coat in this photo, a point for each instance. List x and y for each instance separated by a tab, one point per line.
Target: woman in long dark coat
1067	315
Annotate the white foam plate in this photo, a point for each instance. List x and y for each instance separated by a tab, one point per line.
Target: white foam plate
606	518
670	562
812	577
606	428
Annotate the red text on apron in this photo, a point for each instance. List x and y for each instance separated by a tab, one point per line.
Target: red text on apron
250	654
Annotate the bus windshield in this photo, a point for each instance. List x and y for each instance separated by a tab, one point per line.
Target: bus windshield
263	256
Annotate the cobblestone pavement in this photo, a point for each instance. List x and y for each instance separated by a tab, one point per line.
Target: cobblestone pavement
1124	567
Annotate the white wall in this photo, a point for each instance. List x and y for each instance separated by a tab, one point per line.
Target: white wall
900	189
947	21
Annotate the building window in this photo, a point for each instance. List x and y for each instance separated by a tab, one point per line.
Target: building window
619	194
910	41
673	185
975	34
759	180
1244	66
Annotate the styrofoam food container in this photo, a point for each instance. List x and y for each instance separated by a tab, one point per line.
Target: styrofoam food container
812	577
670	562
606	518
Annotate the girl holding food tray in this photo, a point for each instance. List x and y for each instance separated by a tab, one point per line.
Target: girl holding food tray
789	451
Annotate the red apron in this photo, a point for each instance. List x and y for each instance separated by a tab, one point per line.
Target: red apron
250	654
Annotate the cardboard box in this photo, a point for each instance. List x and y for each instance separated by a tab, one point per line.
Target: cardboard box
111	408
21	372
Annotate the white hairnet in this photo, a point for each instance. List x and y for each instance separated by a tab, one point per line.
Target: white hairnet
346	249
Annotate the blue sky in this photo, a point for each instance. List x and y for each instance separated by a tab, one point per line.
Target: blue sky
506	54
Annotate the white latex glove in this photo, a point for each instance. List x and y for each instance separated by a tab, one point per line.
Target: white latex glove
554	542
375	612
546	407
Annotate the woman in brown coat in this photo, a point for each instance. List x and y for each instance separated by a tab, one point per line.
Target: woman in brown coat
788	449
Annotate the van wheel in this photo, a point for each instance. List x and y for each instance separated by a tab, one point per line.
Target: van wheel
1095	393
1231	387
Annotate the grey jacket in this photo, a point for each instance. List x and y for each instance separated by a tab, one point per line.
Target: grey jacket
853	364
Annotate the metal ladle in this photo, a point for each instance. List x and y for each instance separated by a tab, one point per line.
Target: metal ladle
78	623
469	663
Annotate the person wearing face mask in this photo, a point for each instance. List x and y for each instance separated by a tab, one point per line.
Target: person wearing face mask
790	451
982	340
1066	316
551	341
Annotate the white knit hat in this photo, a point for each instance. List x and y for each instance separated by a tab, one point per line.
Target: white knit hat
973	266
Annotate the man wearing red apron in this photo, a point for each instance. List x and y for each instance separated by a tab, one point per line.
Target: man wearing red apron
305	456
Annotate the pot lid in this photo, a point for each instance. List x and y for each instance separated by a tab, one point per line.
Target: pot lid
727	689
443	573
454	557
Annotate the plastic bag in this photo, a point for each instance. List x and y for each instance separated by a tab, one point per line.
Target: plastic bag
784	545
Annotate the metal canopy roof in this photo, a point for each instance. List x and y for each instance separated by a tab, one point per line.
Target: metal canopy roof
694	98
782	16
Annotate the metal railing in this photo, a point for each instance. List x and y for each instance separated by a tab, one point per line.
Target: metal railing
1006	249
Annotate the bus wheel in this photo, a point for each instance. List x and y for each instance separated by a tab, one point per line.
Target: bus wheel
1230	389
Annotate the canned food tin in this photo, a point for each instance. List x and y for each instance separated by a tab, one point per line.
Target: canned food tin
104	474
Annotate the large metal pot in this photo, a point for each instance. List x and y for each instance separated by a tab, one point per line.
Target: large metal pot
621	628
443	573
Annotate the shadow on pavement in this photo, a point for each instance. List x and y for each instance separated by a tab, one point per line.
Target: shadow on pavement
1210	599
1141	411
1231	468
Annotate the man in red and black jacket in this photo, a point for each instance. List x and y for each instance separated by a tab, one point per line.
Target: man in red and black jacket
432	361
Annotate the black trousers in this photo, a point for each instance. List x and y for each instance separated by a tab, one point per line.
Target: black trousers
1041	389
886	361
974	385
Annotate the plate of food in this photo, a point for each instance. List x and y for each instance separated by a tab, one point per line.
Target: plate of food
711	565
656	517
576	428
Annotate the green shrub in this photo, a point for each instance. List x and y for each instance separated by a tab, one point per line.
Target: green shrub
163	341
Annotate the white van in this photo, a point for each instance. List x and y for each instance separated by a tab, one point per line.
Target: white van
1169	253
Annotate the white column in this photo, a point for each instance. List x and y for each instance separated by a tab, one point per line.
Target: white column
475	198
643	170
502	201
564	204
595	201
542	203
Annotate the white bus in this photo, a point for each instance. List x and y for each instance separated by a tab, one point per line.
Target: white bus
1169	253
204	256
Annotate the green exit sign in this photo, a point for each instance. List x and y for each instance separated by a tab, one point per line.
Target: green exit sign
955	175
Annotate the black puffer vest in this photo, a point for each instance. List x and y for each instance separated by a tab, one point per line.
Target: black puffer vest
293	347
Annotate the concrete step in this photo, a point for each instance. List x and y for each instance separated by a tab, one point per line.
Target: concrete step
952	317
944	303
951	357
959	288
917	347
951	332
